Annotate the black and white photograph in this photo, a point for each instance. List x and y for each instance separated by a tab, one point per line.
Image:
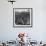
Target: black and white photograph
22	17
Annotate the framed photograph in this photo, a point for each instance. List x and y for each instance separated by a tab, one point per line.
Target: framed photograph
22	17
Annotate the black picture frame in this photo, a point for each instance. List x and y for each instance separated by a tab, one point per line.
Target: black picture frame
22	17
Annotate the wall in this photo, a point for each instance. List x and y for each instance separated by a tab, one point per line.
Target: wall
37	32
